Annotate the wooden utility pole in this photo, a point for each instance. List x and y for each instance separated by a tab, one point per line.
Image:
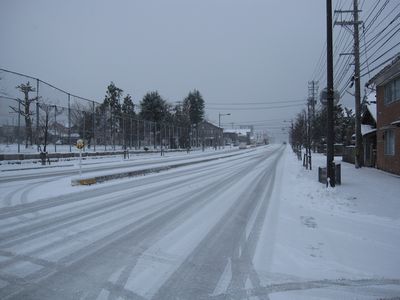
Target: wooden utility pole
330	168
359	157
312	92
359	145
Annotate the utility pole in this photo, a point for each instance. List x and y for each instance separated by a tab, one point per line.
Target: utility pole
94	126
308	135
359	159
219	125
312	95
330	167
69	122
37	115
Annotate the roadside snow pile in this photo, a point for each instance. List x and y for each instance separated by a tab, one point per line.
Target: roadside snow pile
351	232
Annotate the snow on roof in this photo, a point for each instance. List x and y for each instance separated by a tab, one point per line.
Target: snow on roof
397	123
238	131
365	129
371	106
395	59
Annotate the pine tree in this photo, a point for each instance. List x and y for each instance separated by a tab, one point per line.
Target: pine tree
194	105
153	107
128	113
112	104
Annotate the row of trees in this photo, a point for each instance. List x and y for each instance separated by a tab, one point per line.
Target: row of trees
344	120
153	108
114	117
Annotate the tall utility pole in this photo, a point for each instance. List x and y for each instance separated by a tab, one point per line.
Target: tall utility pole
359	159
312	95
330	167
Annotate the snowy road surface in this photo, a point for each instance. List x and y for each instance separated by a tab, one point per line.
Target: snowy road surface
249	224
182	234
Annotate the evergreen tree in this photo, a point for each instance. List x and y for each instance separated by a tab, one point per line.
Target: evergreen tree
112	105
153	107
112	99
128	113
193	105
128	108
343	125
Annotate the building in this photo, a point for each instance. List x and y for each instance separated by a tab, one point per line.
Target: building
210	135
368	131
236	136
387	83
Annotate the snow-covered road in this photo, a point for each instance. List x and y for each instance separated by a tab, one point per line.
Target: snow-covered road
188	233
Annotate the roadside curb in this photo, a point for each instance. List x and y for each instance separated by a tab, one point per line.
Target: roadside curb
135	173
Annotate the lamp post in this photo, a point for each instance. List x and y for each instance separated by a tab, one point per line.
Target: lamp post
219	125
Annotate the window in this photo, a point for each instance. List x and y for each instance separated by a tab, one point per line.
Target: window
389	142
392	91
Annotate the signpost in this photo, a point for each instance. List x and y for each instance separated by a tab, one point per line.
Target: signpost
323	97
80	144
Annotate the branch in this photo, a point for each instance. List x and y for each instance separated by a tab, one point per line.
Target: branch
21	112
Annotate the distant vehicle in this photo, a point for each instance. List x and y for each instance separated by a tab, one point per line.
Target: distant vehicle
242	146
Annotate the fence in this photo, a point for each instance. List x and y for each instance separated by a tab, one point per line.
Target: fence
37	116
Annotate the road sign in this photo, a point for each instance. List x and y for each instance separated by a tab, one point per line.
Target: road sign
323	97
80	144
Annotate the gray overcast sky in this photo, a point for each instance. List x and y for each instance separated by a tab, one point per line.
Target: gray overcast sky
232	51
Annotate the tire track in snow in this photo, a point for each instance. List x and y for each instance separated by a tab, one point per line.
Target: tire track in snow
264	292
198	275
146	230
77	213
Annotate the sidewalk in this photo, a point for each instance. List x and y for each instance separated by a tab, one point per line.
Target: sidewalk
350	233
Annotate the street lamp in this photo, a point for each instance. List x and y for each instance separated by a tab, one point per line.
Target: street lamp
219	118
219	125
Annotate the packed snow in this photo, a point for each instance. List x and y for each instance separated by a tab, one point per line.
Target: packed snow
253	225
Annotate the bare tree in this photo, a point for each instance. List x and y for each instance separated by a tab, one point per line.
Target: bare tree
82	119
25	111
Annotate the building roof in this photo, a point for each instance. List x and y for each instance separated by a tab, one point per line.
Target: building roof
387	73
371	105
366	129
210	123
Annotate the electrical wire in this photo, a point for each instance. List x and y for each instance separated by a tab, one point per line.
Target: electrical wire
256	108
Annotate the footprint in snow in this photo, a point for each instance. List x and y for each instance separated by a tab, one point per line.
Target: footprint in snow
308	221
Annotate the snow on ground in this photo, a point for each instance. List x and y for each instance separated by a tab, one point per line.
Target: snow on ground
254	225
351	232
18	165
13	193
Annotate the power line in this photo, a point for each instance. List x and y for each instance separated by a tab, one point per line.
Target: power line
381	64
256	122
384	43
376	16
255	108
383	54
254	103
371	40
